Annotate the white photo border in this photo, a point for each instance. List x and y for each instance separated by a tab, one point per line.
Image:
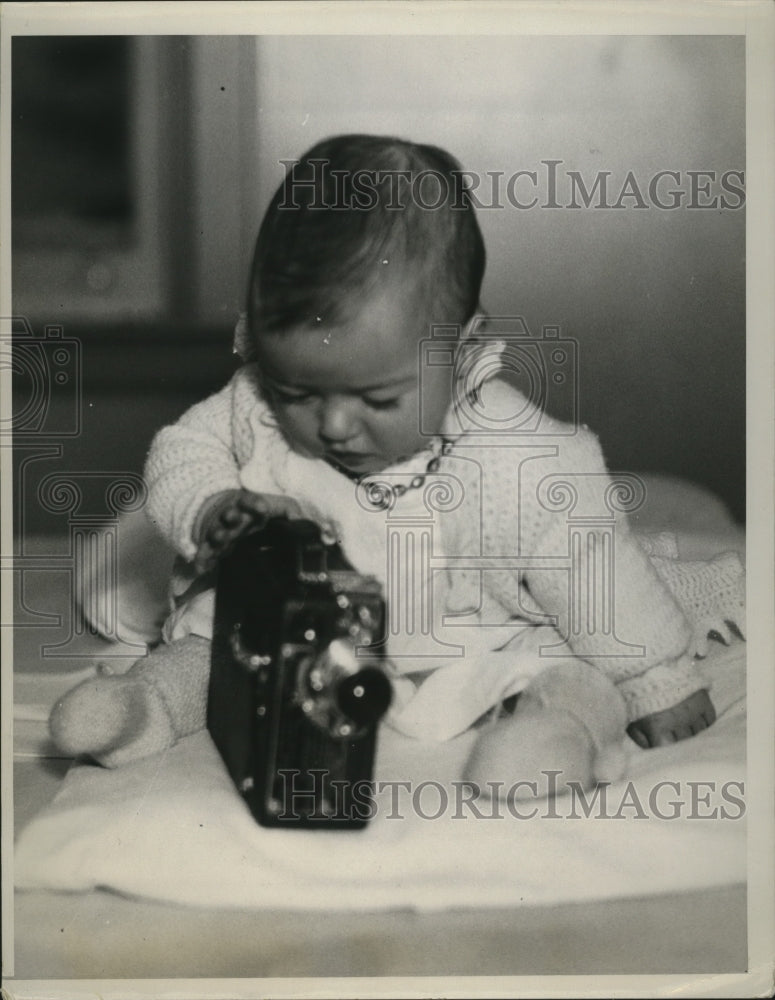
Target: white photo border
756	20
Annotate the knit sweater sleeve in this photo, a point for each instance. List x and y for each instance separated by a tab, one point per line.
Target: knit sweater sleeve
196	458
585	568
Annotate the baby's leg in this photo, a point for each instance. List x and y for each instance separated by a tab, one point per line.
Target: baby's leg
570	720
120	718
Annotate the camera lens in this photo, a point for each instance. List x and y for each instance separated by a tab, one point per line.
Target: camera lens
364	696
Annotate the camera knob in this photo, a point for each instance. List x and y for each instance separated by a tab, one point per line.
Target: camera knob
364	697
342	692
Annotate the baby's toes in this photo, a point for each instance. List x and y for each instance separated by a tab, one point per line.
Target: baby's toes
638	734
679	731
662	736
659	730
703	721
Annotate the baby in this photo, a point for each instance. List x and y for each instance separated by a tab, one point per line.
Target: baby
354	264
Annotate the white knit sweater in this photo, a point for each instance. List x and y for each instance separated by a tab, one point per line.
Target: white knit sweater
523	501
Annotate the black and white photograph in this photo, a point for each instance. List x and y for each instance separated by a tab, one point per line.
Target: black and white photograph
387	537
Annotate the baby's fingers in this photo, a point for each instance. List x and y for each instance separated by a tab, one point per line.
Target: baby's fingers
232	516
262	506
218	541
222	535
205	558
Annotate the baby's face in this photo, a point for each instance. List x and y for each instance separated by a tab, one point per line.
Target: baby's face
350	394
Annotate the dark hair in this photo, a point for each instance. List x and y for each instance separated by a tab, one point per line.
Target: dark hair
351	205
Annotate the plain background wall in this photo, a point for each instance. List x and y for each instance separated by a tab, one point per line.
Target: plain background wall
655	299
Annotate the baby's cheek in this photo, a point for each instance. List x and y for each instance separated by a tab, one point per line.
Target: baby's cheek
299	429
399	435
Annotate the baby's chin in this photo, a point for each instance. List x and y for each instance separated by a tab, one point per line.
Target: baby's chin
363	466
356	464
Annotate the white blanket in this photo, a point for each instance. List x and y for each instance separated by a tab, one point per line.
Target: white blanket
174	828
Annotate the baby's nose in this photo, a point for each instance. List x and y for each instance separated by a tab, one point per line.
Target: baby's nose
338	420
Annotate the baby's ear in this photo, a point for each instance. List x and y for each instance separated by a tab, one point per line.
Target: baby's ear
243	344
476	325
471	325
479	352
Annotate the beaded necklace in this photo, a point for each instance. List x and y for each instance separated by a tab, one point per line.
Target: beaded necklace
381	494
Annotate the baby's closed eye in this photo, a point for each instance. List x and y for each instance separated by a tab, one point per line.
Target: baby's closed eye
289	397
382	404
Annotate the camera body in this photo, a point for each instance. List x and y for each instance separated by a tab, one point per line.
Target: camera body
295	694
544	369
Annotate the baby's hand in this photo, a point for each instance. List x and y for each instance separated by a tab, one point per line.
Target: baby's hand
232	514
683	720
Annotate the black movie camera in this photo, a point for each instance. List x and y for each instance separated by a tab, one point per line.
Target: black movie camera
296	693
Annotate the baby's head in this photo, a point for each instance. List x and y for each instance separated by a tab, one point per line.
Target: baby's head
367	244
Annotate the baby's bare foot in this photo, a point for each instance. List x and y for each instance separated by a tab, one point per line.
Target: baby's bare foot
683	720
